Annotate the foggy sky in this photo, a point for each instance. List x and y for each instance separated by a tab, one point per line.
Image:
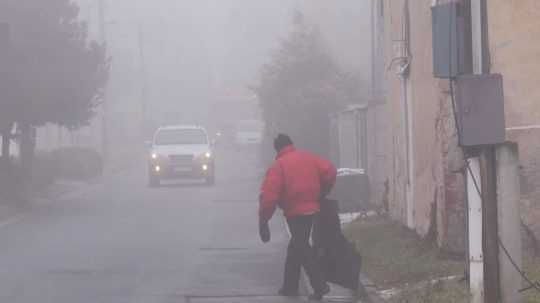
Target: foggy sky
196	50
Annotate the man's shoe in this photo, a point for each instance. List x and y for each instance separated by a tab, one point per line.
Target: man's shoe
318	295
288	292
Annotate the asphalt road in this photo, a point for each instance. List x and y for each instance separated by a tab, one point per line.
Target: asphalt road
120	241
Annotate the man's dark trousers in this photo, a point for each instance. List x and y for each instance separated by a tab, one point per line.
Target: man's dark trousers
301	254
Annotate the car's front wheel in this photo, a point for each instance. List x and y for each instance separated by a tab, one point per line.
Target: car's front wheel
211	180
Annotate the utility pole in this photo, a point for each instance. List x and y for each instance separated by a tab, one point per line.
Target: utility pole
490	232
475	223
105	110
144	88
488	171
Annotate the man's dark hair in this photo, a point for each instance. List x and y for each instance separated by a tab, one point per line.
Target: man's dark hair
282	141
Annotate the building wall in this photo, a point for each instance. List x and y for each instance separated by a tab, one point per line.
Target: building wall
377	154
396	177
424	97
377	123
514	28
437	184
514	50
51	137
438	165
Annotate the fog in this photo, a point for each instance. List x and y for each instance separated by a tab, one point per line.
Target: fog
180	57
240	151
194	51
136	135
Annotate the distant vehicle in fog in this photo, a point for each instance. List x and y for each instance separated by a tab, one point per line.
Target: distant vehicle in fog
178	152
249	132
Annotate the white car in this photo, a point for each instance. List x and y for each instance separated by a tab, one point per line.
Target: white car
180	152
249	132
244	138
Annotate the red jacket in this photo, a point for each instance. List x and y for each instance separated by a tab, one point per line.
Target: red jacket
295	183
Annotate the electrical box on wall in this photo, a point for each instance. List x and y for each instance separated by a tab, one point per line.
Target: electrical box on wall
452	50
480	110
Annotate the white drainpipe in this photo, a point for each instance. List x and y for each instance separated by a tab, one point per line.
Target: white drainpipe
408	132
408	119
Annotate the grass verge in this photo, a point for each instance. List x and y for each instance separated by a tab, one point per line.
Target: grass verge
440	292
395	257
532	268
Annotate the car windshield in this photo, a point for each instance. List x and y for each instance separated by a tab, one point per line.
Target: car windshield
180	136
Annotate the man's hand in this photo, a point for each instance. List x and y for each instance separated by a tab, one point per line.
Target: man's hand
264	231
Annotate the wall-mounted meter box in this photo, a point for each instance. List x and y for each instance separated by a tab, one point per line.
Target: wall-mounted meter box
480	110
452	45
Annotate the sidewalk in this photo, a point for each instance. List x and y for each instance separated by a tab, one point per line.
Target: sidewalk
12	211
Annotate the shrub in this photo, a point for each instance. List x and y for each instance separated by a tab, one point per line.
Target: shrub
10	182
15	186
44	170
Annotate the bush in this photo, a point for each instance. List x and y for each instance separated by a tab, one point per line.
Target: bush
44	170
15	186
74	163
10	181
78	163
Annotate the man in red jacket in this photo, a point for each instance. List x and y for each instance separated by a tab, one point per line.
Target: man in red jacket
296	182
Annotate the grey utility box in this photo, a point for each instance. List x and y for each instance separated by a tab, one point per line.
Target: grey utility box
352	190
452	51
480	106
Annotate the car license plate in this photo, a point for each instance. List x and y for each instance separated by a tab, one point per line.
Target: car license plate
182	169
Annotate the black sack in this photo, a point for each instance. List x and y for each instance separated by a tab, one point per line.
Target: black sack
338	258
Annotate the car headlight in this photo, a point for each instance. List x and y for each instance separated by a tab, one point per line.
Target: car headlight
154	156
208	155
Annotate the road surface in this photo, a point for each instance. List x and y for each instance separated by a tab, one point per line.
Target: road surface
122	242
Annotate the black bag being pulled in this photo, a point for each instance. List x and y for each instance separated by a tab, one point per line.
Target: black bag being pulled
338	258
